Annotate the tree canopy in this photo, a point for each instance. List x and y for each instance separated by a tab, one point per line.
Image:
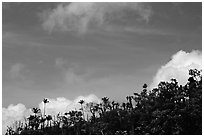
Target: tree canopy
169	109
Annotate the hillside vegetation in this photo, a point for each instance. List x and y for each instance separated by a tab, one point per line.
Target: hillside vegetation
170	109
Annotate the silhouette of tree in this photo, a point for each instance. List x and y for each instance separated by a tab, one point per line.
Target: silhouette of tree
45	101
36	111
106	103
48	118
169	109
82	102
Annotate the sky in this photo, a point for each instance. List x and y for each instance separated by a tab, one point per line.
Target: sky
65	51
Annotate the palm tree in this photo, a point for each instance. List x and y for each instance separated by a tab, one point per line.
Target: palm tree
36	111
105	100
45	101
44	118
82	102
105	103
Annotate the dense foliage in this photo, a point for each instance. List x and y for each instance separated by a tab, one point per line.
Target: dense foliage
168	109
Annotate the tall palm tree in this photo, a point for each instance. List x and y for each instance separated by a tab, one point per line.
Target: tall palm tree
45	100
82	102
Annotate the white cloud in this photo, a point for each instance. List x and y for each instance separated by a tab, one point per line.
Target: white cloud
80	17
55	105
19	112
13	113
62	104
178	67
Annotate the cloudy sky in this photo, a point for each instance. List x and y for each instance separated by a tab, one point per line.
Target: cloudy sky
64	51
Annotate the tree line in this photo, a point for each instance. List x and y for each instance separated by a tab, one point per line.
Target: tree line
169	109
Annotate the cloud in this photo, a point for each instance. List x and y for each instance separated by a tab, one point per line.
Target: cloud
19	112
62	104
69	71
13	113
178	67
80	17
16	71
60	63
73	78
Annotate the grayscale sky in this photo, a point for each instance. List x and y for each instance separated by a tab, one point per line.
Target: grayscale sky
106	49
